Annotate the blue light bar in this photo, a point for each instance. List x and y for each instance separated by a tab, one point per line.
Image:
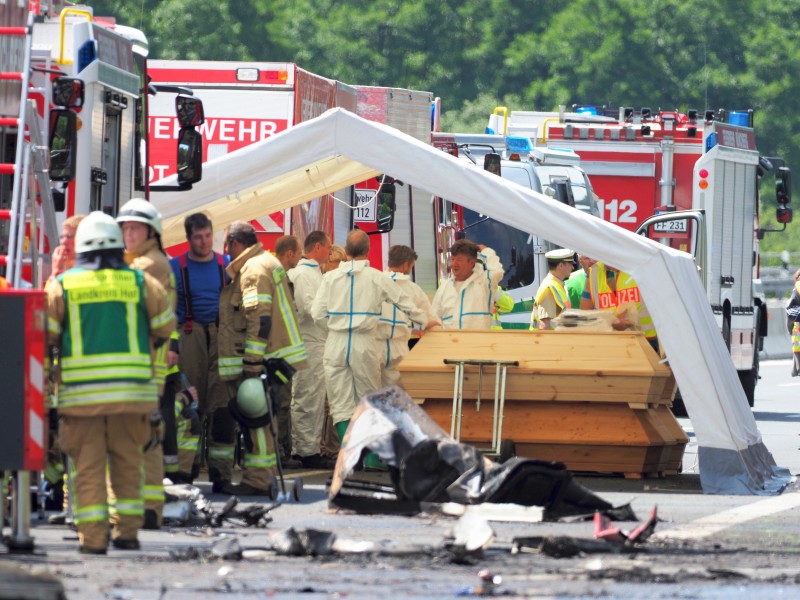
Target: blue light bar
517	143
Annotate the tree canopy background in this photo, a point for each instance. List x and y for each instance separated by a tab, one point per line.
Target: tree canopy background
527	55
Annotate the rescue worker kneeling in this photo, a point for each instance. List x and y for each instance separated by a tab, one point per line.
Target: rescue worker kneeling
104	318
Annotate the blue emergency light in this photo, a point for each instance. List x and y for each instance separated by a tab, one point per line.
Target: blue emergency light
517	143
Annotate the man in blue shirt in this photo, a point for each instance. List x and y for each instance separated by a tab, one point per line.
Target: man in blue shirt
200	276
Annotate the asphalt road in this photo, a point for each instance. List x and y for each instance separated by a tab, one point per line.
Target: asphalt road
704	547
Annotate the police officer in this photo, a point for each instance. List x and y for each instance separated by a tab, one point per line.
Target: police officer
104	318
552	298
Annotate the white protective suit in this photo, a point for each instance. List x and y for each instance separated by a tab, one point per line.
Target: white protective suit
349	302
308	385
395	327
468	304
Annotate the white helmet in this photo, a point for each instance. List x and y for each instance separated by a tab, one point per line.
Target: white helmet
141	211
98	231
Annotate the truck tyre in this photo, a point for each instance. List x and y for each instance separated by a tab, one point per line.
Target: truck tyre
749	380
508	450
726	331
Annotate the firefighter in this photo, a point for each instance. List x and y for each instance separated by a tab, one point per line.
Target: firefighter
308	386
464	300
256	321
395	327
349	304
141	230
200	277
552	297
104	318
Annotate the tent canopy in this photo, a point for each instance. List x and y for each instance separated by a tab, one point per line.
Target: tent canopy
339	149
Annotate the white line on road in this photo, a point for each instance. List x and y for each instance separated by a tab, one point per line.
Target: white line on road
717	522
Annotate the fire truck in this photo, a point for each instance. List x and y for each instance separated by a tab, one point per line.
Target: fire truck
690	181
244	103
73	106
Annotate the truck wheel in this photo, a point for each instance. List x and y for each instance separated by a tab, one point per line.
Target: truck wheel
508	450
726	331
749	380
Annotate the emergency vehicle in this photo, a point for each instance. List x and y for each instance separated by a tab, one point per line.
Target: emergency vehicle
244	103
73	106
648	167
554	172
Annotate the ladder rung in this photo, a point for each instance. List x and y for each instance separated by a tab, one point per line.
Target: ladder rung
13	30
10	76
9	121
6	169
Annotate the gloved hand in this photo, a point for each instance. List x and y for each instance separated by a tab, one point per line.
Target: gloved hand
156	431
252	369
190	408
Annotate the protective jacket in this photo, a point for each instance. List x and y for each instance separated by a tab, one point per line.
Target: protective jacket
104	323
550	300
468	304
150	259
257	316
627	291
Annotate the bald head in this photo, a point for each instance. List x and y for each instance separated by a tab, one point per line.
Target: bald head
357	244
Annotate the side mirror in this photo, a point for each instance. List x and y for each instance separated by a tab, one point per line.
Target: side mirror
190	156
63	144
68	92
563	190
386	207
491	163
783	185
189	110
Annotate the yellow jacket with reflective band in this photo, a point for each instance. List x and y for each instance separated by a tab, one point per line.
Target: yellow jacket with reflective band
150	259
103	322
605	298
259	289
556	288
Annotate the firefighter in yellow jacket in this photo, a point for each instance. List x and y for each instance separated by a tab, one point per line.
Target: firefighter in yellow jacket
141	231
105	319
256	321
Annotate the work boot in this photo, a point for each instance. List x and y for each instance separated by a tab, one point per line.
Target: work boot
59	518
341	429
245	489
291	462
218	486
123	544
90	550
315	461
150	520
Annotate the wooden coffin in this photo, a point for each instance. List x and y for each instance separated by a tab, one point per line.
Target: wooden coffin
597	401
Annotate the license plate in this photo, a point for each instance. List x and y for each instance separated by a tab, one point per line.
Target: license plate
676	226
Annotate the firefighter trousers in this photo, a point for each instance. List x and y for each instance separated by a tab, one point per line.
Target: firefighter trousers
260	461
198	362
100	444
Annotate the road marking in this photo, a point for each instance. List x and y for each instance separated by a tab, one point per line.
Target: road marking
788	384
717	522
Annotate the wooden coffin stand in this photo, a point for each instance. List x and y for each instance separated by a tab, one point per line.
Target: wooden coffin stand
596	401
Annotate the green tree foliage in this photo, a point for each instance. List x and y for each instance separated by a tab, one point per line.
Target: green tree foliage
669	54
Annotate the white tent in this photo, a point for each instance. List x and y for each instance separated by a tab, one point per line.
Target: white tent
339	149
